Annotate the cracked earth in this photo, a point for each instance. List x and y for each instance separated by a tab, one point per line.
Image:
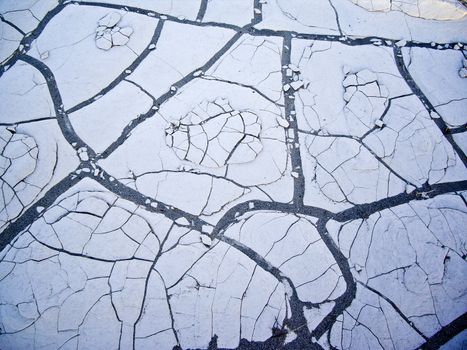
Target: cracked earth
233	174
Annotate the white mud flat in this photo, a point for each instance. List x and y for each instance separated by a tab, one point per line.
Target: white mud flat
233	174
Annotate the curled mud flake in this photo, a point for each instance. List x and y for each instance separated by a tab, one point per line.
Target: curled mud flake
463	70
108	34
110	20
214	135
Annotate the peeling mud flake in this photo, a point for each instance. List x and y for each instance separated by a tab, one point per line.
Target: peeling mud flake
206	240
110	20
283	122
108	34
463	70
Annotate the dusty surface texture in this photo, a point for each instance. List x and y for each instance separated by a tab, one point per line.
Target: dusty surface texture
233	174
